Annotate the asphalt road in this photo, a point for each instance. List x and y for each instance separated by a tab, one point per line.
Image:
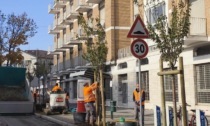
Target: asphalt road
30	120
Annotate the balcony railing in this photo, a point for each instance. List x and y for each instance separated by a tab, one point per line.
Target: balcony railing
71	13
83	6
124	52
59	4
51	30
198	26
52	10
93	1
70	63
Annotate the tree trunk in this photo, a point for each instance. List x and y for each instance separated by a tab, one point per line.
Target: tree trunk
174	99
102	98
96	103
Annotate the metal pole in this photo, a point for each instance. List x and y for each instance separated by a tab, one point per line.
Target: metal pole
184	112
162	90
140	115
111	99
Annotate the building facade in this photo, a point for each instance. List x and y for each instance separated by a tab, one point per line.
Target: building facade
117	16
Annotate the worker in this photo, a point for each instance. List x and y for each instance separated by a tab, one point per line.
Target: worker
56	87
67	100
136	98
89	99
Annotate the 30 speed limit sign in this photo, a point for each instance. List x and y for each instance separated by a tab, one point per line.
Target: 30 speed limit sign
139	48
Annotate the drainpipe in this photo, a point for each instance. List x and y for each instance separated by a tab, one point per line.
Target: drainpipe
115	42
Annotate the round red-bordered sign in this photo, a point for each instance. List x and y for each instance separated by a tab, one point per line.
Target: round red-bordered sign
139	48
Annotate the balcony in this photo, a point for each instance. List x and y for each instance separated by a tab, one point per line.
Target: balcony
52	10
66	21
65	1
71	40
59	4
58	26
81	34
71	13
83	6
124	52
93	1
52	31
197	33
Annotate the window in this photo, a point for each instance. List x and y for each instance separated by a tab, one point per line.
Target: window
64	36
74	89
168	87
122	65
144	82
205	50
143	61
202	81
107	88
102	13
135	10
122	89
89	16
155	12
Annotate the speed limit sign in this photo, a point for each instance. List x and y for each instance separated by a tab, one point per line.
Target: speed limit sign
139	48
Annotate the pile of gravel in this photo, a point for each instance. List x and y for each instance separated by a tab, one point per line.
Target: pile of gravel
13	94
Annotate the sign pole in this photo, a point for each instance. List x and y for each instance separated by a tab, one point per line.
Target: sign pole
140	107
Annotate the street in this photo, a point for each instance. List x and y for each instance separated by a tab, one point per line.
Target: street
30	120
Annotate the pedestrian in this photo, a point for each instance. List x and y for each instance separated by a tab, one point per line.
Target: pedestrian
136	98
35	98
89	99
56	88
67	100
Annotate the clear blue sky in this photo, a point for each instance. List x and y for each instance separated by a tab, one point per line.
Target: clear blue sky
38	11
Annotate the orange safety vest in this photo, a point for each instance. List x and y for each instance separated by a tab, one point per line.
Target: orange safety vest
88	94
137	96
55	88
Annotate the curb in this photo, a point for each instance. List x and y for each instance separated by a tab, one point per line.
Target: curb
53	120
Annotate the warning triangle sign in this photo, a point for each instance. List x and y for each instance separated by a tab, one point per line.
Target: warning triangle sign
138	29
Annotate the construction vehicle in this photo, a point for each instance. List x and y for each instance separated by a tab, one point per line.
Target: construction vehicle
15	94
57	102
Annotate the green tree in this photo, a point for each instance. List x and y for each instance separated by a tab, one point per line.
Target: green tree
14	32
41	70
96	55
169	36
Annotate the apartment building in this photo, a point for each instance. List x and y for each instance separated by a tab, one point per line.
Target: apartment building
117	16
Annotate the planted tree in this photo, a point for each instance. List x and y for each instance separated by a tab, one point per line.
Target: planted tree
41	70
169	37
14	32
95	54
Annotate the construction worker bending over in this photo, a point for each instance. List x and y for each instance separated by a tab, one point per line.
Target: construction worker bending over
136	98
56	88
89	99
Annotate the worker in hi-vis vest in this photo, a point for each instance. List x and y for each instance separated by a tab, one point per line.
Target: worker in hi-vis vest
89	99
56	87
137	95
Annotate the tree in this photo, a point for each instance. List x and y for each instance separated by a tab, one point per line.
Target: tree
41	70
95	54
14	32
169	37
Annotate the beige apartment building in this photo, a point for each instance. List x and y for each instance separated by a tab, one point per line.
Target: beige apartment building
117	16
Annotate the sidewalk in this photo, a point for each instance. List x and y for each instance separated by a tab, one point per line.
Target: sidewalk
128	114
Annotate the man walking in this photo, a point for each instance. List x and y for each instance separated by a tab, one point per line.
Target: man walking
137	98
89	99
